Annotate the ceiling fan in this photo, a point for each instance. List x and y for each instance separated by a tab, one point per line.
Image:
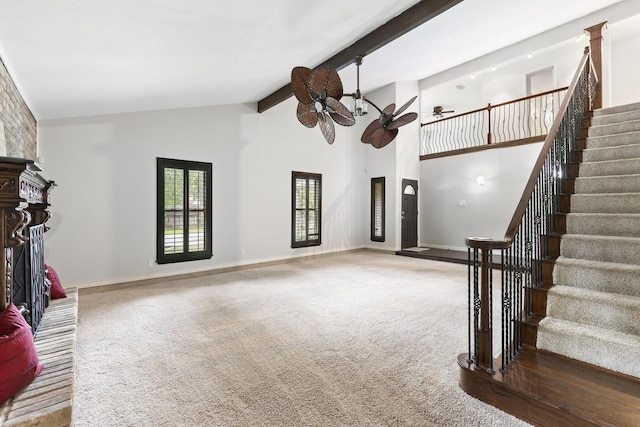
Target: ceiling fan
439	112
319	91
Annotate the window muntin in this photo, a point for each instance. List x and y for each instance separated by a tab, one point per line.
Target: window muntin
377	209
306	202
184	230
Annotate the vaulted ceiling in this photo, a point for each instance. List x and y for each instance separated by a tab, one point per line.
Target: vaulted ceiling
78	58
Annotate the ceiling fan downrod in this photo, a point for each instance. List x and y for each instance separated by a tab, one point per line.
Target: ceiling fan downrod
359	105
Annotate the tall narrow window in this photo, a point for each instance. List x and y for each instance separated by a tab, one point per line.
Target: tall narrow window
377	209
306	202
183	211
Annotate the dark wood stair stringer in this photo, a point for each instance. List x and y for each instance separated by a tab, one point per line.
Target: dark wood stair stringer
548	389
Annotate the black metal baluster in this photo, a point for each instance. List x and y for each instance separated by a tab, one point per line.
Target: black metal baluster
490	258
476	307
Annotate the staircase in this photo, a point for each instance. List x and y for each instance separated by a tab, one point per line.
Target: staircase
593	309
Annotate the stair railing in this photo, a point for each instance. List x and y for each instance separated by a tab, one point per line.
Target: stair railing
525	243
519	119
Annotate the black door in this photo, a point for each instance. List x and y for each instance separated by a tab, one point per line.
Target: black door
409	213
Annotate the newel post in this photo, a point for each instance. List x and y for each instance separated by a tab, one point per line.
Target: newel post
485	330
480	296
595	46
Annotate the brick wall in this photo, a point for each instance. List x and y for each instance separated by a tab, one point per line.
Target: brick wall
19	124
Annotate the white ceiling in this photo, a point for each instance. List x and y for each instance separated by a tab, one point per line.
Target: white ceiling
74	58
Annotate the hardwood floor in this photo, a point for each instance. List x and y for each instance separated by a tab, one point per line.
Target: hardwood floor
546	389
457	257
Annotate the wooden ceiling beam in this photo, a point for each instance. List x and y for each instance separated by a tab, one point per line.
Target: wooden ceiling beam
411	18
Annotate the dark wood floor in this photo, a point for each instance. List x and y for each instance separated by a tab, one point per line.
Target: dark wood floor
457	257
547	389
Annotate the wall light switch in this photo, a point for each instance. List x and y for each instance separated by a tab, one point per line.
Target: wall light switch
462	203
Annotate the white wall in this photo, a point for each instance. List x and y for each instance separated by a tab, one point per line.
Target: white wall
454	206
103	224
380	163
624	61
407	145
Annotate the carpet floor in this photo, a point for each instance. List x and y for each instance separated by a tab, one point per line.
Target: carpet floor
356	339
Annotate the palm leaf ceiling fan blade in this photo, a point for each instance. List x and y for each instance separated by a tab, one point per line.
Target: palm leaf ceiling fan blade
327	128
402	120
405	106
389	109
307	115
382	137
340	113
299	78
366	135
325	80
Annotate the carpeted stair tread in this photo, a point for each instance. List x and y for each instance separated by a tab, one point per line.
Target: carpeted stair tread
628	151
613	140
602	347
600	276
624	250
605	310
623	116
608	184
605	141
615	128
616	109
610	167
605	203
604	224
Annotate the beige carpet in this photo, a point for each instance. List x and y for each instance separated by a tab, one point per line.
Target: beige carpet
359	339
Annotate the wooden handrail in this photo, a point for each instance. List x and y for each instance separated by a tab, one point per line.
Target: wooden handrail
479	110
489	107
512	229
524	98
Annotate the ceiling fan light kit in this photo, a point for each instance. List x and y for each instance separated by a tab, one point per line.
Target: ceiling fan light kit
319	91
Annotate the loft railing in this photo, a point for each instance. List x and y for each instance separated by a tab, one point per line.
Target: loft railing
519	119
525	243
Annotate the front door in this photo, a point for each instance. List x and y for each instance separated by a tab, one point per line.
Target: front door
409	222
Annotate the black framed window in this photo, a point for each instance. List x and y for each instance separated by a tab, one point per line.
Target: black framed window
184	206
306	203
377	209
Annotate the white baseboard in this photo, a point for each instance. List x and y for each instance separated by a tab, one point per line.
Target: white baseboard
223	268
